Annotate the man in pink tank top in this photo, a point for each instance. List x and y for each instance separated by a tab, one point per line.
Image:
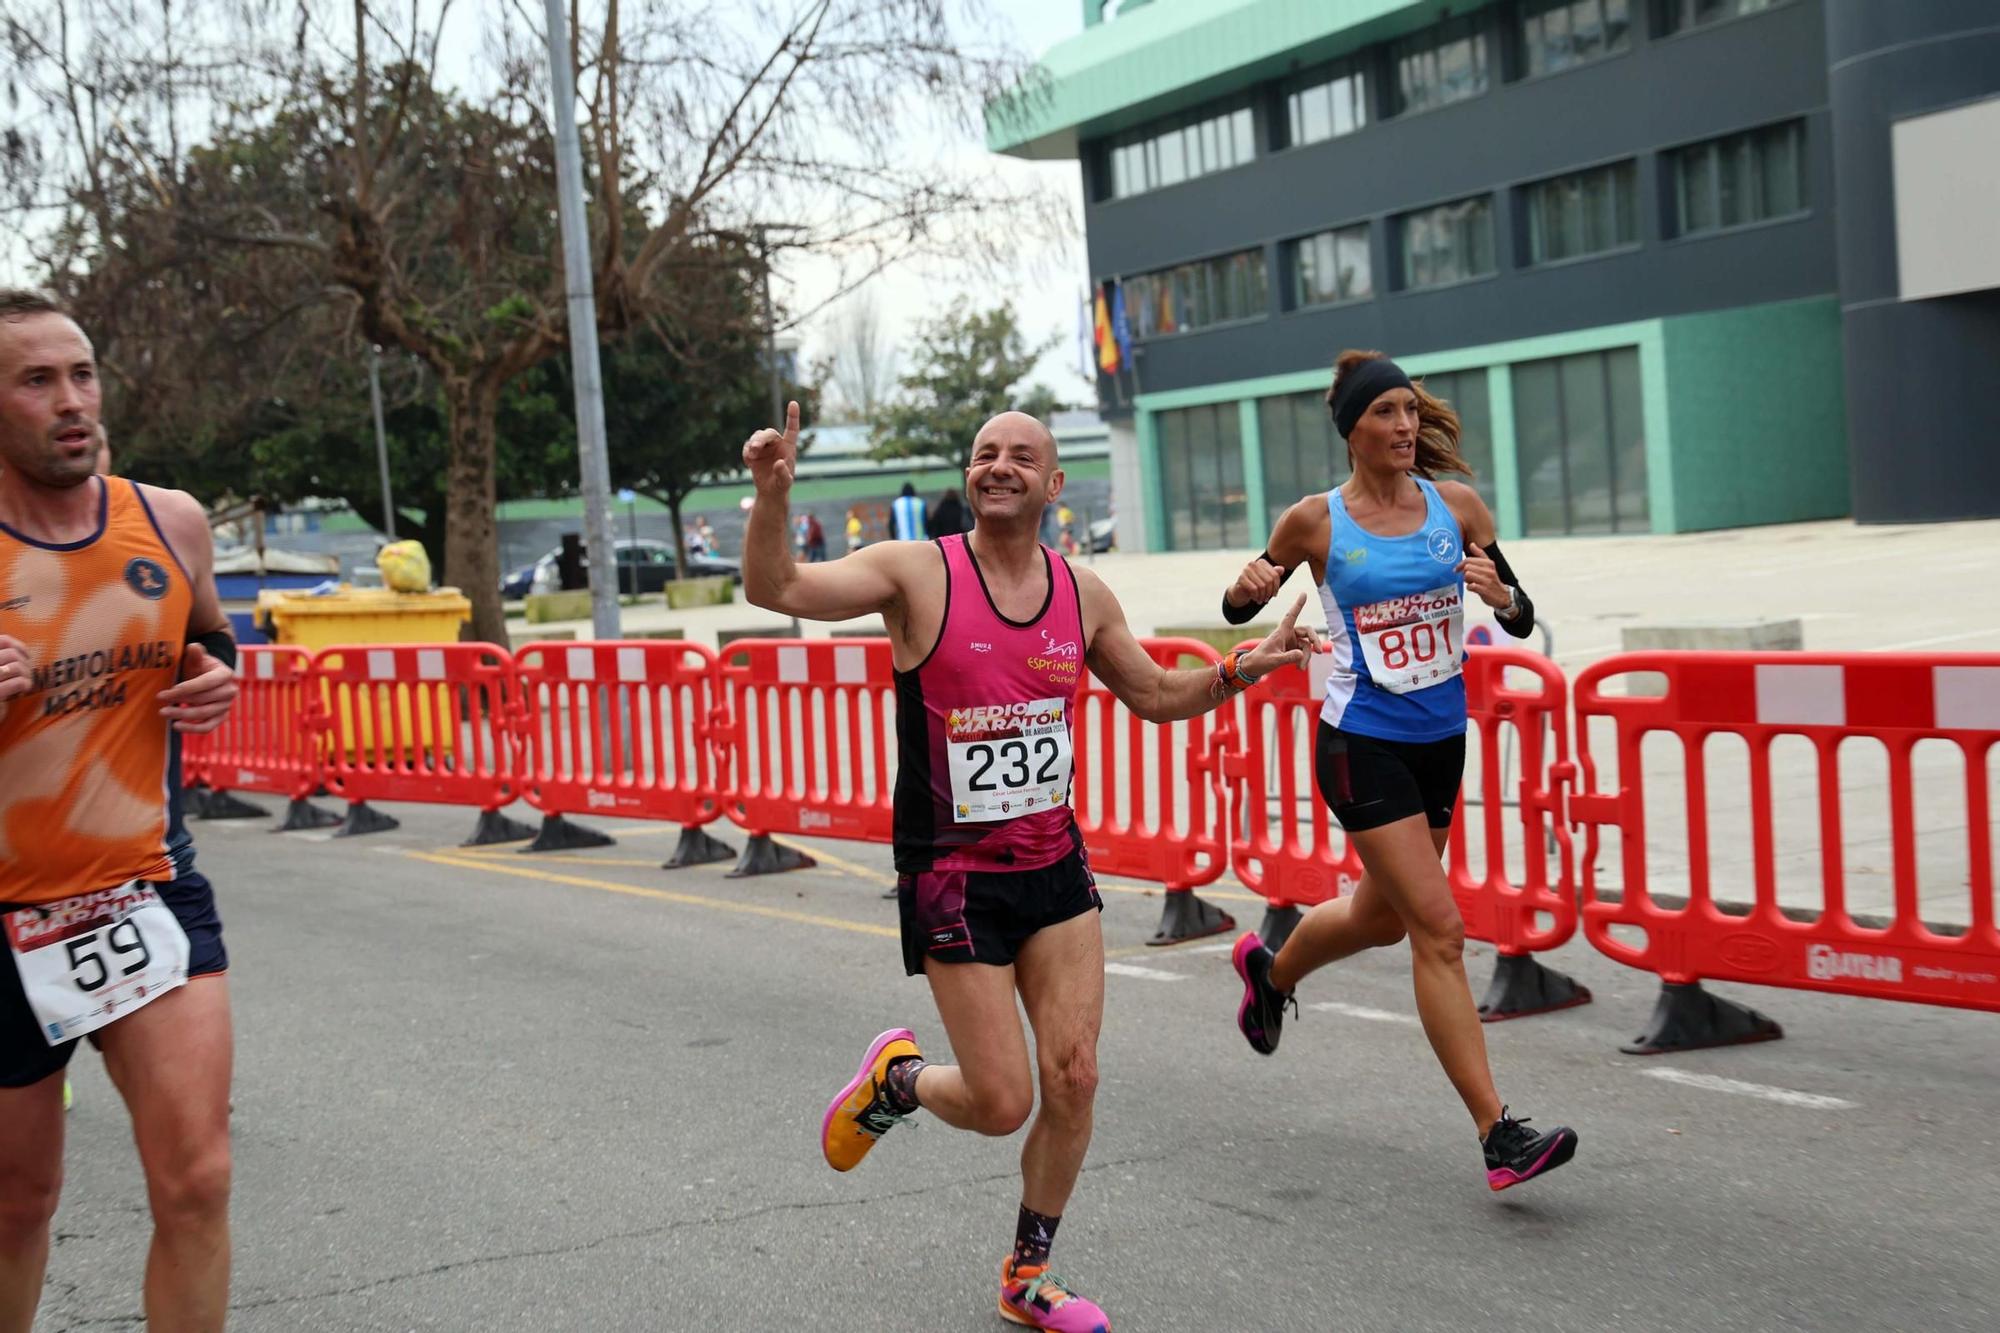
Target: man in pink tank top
992	632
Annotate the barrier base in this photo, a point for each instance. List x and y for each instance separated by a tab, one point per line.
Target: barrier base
495	827
303	814
206	804
559	835
1278	925
1521	986
364	818
1186	917
1688	1018
762	856
698	848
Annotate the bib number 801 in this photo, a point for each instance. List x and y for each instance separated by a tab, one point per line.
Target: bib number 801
123	940
1422	642
1017	756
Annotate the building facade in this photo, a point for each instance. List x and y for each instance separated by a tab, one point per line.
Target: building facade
1647	248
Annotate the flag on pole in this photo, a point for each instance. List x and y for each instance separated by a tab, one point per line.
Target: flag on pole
1086	357
1107	344
1121	327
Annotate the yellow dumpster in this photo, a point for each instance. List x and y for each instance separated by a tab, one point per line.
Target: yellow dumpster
375	615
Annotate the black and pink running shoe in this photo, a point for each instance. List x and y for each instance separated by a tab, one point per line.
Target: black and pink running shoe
1515	1153
1261	1016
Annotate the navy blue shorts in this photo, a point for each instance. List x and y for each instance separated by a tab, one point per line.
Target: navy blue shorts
26	1057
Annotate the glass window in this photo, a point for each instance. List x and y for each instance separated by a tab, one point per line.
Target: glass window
1193	296
1170	152
1330	266
1561	34
1583	214
1202	488
1676	15
1445	63
1449	243
1739	178
1301	452
1579	428
1327	103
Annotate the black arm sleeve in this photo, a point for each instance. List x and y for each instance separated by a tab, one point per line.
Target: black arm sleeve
1523	623
1238	615
221	645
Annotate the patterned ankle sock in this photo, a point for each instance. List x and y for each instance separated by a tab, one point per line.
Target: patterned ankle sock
1033	1234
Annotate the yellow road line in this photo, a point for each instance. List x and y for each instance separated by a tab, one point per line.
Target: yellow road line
660	895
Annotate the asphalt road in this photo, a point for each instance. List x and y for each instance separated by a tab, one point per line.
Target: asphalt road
500	1092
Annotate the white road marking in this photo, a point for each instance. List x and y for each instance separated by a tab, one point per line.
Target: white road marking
1362	1011
1143	973
1812	1101
1209	948
1935	638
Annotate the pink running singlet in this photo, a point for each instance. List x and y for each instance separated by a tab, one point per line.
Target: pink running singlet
983	729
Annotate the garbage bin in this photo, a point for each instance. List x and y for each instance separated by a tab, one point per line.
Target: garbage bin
376	615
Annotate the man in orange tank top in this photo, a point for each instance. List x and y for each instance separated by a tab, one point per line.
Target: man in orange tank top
996	896
111	640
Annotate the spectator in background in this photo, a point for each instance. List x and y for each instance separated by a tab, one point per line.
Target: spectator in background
801	535
1051	531
815	539
908	512
854	538
949	517
694	539
709	545
1066	522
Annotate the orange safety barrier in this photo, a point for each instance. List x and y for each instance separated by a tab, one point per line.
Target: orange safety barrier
621	729
1897	699
1150	808
806	744
263	744
416	722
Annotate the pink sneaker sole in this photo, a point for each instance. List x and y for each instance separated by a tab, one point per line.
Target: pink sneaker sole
861	1076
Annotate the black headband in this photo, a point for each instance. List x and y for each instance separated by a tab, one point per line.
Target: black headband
1363	385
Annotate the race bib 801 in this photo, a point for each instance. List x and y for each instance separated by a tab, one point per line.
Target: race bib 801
1412	643
1008	760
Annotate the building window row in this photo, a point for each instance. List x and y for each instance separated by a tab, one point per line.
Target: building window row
1450	61
1198	295
1738	179
1580	451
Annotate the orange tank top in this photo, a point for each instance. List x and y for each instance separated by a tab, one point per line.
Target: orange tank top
84	753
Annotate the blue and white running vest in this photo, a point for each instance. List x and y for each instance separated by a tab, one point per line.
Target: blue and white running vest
1395	611
908	511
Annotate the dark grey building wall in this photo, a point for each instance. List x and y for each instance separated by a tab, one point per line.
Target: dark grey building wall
1918	446
1662	93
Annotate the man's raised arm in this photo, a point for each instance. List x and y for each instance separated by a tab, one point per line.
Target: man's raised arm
863	582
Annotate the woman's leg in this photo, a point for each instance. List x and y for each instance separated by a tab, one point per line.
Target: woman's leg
1365	919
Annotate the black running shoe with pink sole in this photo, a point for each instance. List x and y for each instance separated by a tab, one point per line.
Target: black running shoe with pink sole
1261	1016
1515	1153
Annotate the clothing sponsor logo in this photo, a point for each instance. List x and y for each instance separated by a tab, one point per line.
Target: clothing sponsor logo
1029	803
1442	545
1006	807
1824	963
1066	649
942	936
1356	556
147	577
981	647
964	810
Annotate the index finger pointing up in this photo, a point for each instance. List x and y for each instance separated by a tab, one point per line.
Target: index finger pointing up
1292	615
792	422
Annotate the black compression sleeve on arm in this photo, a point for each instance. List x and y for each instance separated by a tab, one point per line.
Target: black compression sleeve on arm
1522	624
1237	615
221	645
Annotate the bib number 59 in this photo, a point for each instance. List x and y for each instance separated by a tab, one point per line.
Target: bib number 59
123	941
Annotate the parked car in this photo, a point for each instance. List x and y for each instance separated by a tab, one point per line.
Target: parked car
1103	534
643	566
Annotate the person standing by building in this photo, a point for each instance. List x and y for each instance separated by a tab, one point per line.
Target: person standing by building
908	514
990	632
855	541
949	515
815	539
1394	554
105	933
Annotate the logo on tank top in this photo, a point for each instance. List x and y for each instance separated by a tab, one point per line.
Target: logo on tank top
1053	649
147	578
1443	546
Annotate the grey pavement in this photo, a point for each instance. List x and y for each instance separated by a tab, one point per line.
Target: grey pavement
502	1092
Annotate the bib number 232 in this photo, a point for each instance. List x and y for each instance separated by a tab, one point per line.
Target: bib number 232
1008	760
89	960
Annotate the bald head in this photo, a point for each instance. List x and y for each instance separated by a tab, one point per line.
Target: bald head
1011	428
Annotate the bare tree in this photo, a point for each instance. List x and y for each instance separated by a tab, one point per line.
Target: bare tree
380	204
864	358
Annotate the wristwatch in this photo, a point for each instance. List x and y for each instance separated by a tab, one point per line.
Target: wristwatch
1513	607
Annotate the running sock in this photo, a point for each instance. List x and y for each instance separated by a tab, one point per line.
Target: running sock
900	1082
1033	1235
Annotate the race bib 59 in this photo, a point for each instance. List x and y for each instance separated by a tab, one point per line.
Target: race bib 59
89	960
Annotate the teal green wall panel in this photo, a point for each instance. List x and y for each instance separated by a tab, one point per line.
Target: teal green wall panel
1506	462
1146	426
1759	421
1250	429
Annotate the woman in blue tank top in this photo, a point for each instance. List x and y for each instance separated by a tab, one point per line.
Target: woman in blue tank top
1395	554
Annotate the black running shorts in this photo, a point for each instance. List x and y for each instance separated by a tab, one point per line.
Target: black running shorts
1368	782
960	916
26	1056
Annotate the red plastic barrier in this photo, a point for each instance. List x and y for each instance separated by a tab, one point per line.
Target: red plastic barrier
1898	699
620	729
1284	843
264	744
1149	808
1532	725
417	722
808	744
